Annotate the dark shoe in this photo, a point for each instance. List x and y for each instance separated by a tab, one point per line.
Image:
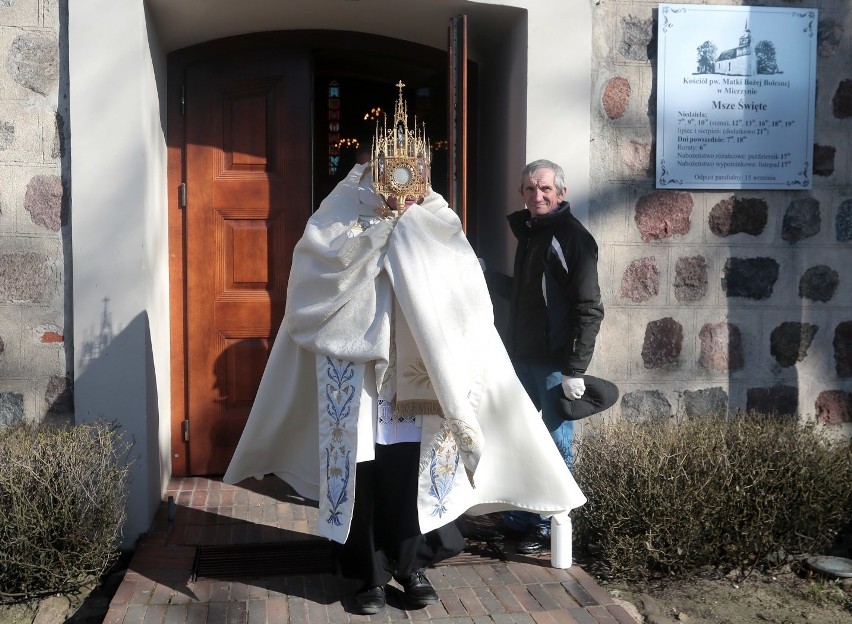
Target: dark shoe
479	529
418	590
532	544
370	600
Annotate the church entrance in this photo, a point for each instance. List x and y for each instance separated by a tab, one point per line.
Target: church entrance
348	104
261	128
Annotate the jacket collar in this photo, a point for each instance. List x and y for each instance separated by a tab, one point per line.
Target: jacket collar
523	223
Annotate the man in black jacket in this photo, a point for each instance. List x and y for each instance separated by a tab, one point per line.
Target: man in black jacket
556	313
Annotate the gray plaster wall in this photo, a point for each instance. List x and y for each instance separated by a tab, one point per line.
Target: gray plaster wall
35	354
720	301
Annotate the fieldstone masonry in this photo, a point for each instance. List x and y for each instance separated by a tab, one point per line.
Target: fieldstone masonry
824	160
7	134
23	278
663	214
11	408
789	342
781	400
843	222
721	347
742	269
34	379
616	97
829	37
843	349
705	403
636	157
819	283
735	215
690	278
641	280
842	100
636	37
802	220
59	397
43	201
834	407
663	342
752	278
645	405
33	62
711	260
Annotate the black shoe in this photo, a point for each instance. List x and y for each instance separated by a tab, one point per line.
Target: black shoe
418	590
370	600
532	544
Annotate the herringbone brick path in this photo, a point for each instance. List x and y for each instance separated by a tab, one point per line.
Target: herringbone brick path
160	586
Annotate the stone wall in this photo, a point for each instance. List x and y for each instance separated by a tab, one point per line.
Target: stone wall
715	301
35	361
719	301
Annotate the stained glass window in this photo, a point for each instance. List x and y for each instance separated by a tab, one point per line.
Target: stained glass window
333	127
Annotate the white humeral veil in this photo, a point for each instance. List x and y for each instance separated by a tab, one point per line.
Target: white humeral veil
401	304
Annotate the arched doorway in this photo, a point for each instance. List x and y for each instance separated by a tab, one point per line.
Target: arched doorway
249	153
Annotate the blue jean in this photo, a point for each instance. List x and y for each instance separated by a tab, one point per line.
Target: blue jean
544	387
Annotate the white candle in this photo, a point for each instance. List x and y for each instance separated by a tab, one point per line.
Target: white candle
560	541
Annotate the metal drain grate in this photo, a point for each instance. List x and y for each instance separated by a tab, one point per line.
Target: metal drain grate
303	557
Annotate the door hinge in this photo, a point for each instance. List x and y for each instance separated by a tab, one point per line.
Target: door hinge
182	195
186	431
183	100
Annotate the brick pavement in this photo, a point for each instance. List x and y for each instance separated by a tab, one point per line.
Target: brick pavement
160	587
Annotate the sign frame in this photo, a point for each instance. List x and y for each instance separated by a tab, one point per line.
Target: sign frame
736	97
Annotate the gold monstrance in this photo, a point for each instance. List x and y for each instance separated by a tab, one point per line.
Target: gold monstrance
401	157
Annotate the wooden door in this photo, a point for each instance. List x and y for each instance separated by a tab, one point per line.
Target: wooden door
248	196
457	114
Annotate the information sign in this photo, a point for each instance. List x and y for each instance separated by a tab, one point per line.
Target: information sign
735	97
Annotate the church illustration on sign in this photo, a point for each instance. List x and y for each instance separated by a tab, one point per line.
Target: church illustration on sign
739	61
747	59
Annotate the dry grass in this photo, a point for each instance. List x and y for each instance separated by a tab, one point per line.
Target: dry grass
674	498
63	493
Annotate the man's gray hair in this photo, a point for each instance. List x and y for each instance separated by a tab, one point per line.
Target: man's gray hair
558	174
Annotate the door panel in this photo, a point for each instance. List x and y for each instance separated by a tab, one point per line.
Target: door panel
248	198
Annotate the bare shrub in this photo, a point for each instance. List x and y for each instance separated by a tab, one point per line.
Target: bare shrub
668	497
63	493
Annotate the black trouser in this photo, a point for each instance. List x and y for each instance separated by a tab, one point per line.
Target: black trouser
385	539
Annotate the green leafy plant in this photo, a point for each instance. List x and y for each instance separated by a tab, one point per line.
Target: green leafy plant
670	497
63	491
822	591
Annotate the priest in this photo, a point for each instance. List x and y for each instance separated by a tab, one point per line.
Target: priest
388	396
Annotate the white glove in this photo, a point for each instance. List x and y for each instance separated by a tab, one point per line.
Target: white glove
573	387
